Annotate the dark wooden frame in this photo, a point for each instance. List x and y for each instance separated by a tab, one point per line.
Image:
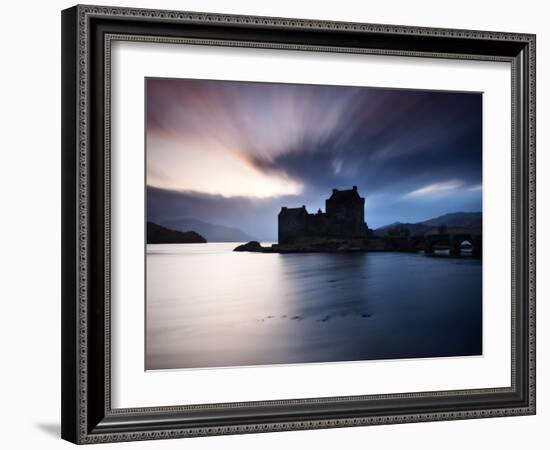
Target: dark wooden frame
87	32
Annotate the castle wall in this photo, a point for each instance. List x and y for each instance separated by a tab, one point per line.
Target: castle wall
292	224
344	218
318	225
347	218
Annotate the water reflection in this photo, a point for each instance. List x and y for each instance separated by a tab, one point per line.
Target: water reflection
210	307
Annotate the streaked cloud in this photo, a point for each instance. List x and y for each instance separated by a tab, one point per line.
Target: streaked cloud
202	167
291	144
435	189
475	188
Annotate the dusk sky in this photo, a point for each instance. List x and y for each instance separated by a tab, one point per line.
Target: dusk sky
232	153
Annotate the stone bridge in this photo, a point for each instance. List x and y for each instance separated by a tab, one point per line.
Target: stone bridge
429	242
452	241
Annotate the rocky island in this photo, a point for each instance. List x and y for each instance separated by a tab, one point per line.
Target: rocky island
307	246
342	228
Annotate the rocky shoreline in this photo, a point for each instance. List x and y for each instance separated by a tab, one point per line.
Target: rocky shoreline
428	244
329	246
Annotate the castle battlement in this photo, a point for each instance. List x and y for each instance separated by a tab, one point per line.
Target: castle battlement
344	217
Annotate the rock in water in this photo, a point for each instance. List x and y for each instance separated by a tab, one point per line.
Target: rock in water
252	246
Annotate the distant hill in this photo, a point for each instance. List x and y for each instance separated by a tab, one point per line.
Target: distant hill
414	228
214	233
458	220
157	234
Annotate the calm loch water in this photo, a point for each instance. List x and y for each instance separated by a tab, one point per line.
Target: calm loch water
210	307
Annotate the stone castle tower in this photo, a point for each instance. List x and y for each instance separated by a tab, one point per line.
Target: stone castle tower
344	218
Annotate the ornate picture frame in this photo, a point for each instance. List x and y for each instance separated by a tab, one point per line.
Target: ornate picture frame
88	33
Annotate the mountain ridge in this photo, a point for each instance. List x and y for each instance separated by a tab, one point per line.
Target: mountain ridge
468	220
212	232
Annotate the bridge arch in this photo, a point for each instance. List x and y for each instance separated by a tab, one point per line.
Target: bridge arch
454	242
417	243
438	239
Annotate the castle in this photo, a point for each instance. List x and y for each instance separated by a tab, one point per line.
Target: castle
344	218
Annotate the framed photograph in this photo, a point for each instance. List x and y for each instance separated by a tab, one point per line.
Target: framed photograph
277	224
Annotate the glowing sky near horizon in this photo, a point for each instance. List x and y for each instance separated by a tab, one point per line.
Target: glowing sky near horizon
220	137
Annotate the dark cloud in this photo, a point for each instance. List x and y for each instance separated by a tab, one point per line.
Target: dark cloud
431	135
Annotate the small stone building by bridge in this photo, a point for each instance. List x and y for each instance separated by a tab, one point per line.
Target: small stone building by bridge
344	218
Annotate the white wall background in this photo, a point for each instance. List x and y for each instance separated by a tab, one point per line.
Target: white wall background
30	223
